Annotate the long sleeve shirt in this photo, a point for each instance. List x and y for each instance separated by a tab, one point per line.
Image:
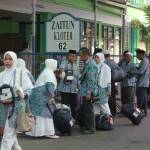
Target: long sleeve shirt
143	73
88	78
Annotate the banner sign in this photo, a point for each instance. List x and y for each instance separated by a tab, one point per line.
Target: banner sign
62	33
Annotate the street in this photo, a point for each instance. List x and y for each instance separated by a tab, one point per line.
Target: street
124	136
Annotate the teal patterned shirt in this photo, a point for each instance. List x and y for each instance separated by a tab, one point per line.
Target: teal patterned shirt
129	69
88	79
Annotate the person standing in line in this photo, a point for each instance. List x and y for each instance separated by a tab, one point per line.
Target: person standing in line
123	58
112	98
69	81
142	83
26	54
11	76
88	81
104	83
128	83
41	98
22	65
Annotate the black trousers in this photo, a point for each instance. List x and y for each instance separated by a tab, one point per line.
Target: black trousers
127	95
88	116
70	99
141	93
112	99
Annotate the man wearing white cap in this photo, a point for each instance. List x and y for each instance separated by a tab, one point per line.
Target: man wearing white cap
142	80
128	83
112	99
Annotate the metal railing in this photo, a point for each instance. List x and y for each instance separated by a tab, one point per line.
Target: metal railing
40	60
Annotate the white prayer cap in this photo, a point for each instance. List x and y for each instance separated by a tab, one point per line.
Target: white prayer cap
106	52
129	53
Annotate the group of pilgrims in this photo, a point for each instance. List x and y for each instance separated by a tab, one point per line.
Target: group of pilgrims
76	85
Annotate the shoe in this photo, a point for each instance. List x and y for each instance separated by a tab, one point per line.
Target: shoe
53	136
88	132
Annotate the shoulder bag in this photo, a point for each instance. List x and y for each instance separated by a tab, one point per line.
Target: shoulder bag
25	119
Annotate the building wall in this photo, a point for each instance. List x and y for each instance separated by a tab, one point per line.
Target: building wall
107	15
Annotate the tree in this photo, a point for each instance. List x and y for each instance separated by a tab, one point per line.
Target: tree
145	29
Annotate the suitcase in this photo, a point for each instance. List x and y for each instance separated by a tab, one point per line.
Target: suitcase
103	122
63	120
135	115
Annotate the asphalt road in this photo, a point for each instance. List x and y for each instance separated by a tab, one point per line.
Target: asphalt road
125	136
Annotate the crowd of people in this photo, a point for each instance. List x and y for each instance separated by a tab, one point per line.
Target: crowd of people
77	88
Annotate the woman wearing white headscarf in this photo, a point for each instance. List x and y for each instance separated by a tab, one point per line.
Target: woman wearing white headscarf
11	76
41	96
104	82
22	65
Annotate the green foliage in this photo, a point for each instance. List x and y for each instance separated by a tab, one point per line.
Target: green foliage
145	30
147	13
135	23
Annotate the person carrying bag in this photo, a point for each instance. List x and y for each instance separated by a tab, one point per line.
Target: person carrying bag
10	102
25	119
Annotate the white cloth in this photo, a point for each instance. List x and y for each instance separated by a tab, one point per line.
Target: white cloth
129	53
22	65
105	72
106	52
43	127
14	58
9	139
7	76
104	108
47	74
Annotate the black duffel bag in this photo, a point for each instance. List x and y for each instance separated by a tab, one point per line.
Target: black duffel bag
62	120
134	114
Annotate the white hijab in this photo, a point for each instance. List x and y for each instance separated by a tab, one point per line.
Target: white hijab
105	71
14	58
22	65
7	76
47	75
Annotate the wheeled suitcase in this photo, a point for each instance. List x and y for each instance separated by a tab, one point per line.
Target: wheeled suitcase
135	115
63	120
103	122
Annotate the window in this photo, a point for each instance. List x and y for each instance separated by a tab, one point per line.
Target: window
111	40
87	34
108	38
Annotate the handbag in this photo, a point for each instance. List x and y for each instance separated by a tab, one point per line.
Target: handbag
69	77
6	91
25	119
6	94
